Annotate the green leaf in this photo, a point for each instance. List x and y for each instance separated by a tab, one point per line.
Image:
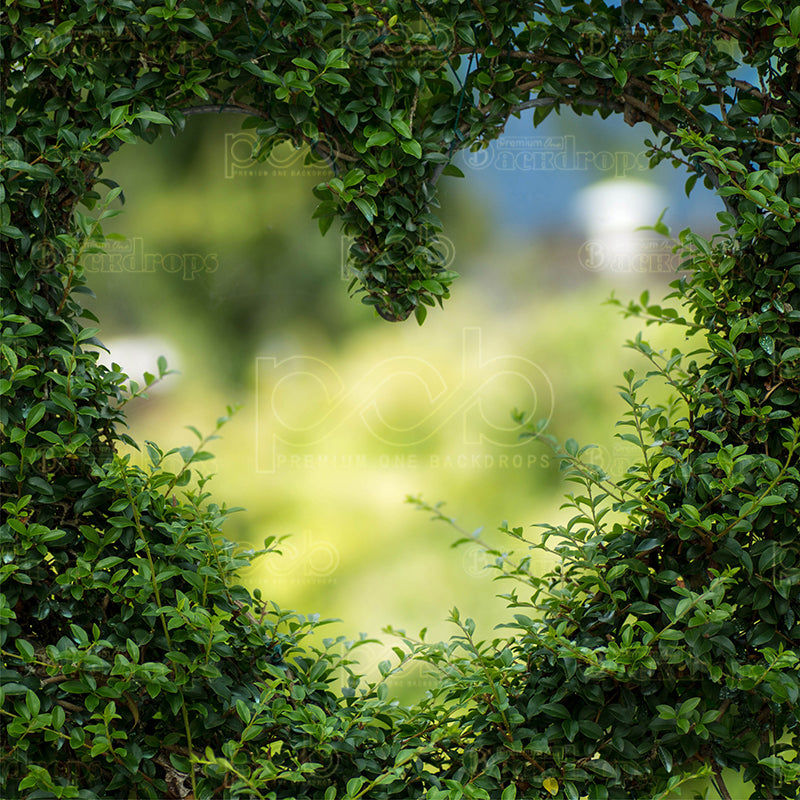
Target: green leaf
349	120
126	135
367	207
29	329
790	354
100	746
738	327
401	127
354	785
130	645
26	650
304	63
58	717
434	287
153	116
596	67
620	75
571	791
556	710
117	115
336	79
601	767
200	28
32	702
34	415
15	688
380	139
337	52
413	148
243	711
711	436
688	706
794	21
567	69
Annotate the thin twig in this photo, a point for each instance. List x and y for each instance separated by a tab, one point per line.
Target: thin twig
720	783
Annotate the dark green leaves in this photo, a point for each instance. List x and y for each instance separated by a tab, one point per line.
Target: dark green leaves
132	652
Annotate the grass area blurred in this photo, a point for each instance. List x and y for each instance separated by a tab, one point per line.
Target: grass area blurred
344	415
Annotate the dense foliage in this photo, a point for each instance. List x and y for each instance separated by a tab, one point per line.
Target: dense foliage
664	645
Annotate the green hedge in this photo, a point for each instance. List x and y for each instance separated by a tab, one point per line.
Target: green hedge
662	647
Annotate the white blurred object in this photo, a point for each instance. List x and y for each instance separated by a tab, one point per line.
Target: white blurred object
139	354
610	212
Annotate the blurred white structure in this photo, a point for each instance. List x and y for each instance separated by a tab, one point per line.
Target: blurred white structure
610	212
139	354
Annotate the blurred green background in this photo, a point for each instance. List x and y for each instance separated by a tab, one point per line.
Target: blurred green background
343	415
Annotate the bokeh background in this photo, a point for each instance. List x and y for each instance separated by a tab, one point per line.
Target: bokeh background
343	415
